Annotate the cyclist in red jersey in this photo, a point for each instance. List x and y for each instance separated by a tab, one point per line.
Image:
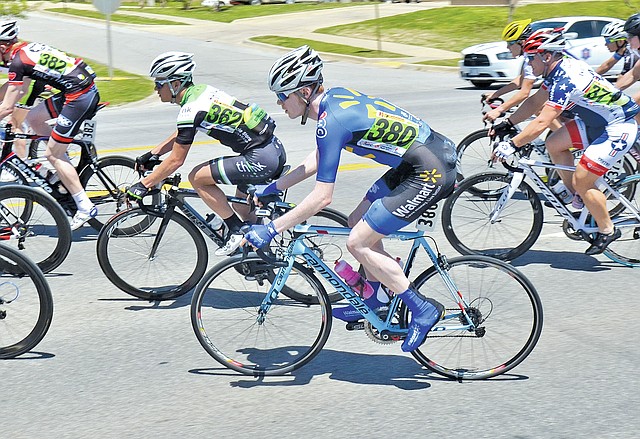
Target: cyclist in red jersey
76	102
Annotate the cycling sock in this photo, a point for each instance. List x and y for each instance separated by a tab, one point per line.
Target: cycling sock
82	201
233	223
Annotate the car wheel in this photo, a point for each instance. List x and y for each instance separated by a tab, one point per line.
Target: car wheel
482	84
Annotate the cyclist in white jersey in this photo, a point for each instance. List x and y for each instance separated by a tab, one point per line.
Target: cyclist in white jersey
514	34
615	39
246	129
606	128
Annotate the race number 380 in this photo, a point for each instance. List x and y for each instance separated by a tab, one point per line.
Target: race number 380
429	218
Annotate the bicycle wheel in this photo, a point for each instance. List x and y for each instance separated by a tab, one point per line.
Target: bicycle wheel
36	224
326	217
466	217
228	320
142	267
26	304
9	174
106	187
626	249
504	307
474	154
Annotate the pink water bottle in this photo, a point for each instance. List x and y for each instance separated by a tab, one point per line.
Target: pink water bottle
354	279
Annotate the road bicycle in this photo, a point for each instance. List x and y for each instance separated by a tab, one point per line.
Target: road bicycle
244	321
474	154
32	222
26	304
500	215
158	252
104	179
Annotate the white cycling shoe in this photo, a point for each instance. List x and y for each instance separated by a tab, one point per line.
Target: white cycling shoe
231	245
80	218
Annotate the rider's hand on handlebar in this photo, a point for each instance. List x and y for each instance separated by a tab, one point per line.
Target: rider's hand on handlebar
260	235
503	150
137	192
503	129
147	161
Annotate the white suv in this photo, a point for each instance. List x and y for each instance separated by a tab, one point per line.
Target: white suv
484	64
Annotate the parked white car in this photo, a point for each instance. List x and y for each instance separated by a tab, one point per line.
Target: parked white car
484	64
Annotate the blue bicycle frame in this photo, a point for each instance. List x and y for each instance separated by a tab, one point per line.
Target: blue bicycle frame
298	248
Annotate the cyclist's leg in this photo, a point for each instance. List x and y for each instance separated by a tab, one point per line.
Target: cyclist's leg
597	159
75	110
559	144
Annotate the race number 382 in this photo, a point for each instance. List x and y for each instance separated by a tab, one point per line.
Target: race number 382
429	218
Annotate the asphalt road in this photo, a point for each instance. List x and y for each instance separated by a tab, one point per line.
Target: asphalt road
115	367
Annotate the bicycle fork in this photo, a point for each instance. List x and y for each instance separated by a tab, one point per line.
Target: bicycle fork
507	193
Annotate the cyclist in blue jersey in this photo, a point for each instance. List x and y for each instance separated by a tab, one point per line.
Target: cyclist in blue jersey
615	39
422	162
605	129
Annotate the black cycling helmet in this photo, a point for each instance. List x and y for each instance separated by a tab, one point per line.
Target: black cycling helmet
632	26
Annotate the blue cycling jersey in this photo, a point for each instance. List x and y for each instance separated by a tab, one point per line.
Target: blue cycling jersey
364	125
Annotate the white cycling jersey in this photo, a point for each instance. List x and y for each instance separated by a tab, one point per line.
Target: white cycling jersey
574	87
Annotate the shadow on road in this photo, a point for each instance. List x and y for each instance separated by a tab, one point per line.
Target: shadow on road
572	261
399	371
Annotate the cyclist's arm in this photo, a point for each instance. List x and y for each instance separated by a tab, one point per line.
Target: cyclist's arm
301	172
11	98
320	197
608	64
547	115
517	98
507	88
530	105
629	78
168	166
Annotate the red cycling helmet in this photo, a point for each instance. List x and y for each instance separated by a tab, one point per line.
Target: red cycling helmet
544	40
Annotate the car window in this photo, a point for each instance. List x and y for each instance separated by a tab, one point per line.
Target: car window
584	29
599	24
547	24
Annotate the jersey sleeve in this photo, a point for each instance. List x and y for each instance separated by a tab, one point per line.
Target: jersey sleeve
16	71
559	93
186	125
331	136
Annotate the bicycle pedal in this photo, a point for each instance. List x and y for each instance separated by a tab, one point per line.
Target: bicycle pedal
355	326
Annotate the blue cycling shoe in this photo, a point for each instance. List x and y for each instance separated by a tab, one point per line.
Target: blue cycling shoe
426	313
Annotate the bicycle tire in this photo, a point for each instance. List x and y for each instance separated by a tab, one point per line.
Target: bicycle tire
325	217
509	322
26	304
626	249
466	222
9	174
106	187
176	267
474	154
226	318
45	234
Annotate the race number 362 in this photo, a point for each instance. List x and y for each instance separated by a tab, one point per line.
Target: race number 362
429	218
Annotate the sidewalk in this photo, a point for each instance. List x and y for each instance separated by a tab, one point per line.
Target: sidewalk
301	25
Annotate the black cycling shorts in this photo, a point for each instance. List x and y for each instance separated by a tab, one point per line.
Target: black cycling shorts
426	175
256	166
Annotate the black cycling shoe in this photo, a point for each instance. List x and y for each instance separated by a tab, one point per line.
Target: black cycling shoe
602	241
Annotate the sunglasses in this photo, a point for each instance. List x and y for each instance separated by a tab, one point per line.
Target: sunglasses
160	84
530	56
511	43
283	96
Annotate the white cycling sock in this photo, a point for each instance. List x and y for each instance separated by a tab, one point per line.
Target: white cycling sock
82	201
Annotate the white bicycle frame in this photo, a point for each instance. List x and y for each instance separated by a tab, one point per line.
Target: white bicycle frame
525	168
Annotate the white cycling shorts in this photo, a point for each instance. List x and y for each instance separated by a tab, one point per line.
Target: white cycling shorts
601	153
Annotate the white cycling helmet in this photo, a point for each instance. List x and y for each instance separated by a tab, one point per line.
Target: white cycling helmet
9	30
173	65
296	69
614	32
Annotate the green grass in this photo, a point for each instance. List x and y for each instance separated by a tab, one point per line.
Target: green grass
325	47
454	28
119	18
124	88
226	14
